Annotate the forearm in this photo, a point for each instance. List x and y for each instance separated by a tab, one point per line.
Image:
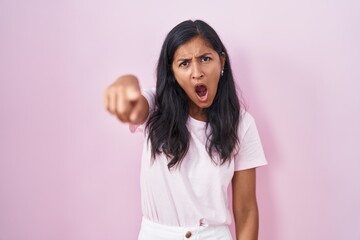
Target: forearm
247	224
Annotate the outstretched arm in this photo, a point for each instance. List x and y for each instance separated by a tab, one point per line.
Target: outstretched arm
124	100
245	205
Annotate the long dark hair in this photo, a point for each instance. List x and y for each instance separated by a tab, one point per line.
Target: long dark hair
168	133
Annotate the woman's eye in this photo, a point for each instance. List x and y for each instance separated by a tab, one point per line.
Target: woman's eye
184	64
205	59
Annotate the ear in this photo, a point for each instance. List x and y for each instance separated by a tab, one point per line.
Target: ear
222	59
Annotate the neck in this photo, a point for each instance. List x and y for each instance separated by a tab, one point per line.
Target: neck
197	113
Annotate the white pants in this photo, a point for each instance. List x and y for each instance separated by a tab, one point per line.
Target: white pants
155	231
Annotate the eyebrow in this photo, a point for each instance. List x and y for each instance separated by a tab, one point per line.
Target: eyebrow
187	59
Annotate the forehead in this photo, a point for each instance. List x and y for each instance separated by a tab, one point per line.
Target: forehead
194	47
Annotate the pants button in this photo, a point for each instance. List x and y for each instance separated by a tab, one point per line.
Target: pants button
188	234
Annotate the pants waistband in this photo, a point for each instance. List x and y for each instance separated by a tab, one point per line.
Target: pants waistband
153	230
170	228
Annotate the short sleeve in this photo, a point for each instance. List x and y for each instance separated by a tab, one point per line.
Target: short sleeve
251	153
149	95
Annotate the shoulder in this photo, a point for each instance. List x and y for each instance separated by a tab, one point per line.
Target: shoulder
245	115
149	94
246	119
251	153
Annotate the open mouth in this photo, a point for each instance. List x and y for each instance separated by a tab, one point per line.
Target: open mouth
201	91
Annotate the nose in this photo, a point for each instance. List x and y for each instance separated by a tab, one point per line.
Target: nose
197	71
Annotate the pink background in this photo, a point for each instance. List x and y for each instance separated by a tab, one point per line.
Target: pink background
69	170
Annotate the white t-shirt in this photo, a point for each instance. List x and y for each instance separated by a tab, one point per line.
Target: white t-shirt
196	193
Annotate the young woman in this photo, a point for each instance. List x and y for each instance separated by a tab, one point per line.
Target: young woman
199	139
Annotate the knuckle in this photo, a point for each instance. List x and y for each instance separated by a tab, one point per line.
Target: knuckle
111	109
113	90
118	87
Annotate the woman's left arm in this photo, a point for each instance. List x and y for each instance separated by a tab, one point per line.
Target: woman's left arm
245	207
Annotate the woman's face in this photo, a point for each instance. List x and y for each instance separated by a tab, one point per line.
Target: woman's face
197	67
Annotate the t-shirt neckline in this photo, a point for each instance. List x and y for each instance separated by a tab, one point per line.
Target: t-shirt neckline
194	122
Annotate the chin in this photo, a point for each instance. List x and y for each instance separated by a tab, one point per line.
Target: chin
203	105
